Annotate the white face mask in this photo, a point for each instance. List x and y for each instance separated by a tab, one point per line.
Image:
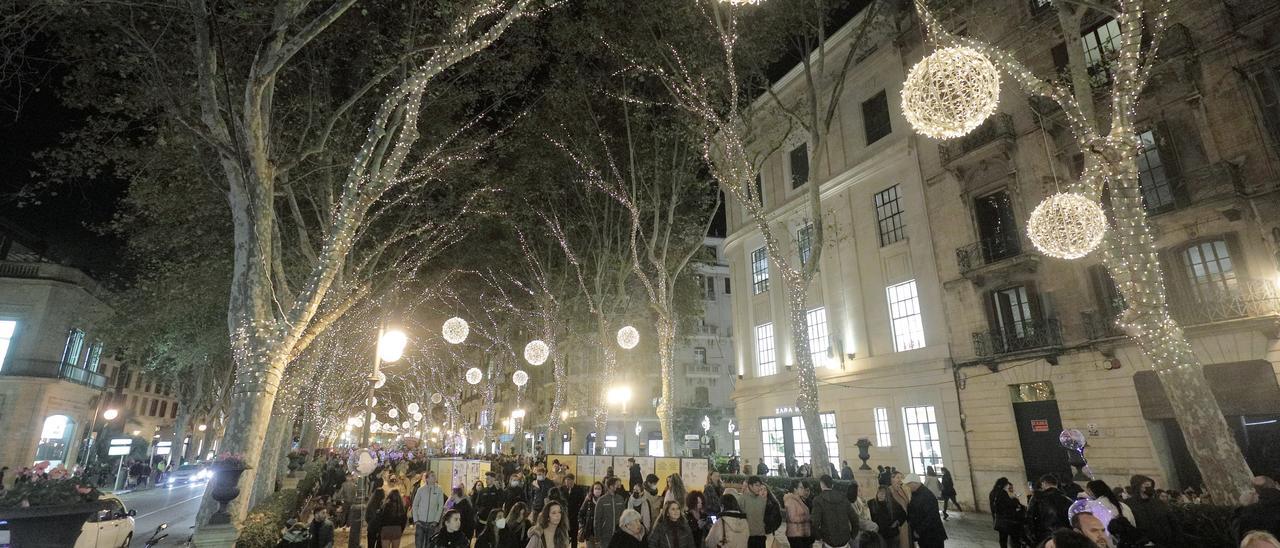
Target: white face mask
500	523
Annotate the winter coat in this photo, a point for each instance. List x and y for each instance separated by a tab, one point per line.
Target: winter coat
1047	512
634	477
514	535
468	515
488	537
655	507
624	540
798	525
537	495
773	518
644	507
670	534
488	498
1007	513
1155	520
834	520
948	486
730	531
889	516
713	494
699	527
586	515
604	520
1263	515
934	485
321	534
445	539
513	495
846	473
922	513
762	469
537	540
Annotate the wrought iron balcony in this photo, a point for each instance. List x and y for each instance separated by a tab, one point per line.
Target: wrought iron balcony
1100	324
53	370
997	128
987	251
1246	298
1017	337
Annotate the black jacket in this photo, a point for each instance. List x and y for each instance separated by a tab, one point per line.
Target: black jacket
1007	513
668	534
537	496
846	473
468	514
922	512
634	477
1155	520
888	515
1048	511
514	535
772	514
488	498
833	519
624	540
514	495
762	469
1263	515
445	539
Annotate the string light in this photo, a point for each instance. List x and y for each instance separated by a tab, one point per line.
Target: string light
474	375
950	92
455	330
628	337
536	352
1067	225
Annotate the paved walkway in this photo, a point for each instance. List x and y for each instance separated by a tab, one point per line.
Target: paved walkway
965	530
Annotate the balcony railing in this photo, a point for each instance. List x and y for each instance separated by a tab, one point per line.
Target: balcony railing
53	370
999	126
1247	298
987	251
1016	337
703	368
1100	325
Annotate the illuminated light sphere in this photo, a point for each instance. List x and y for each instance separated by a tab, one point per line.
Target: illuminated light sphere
1067	225
393	413
742	2
110	414
950	92
628	337
536	352
520	378
436	398
455	330
417	416
413	408
475	375
381	380
391	345
404	425
373	401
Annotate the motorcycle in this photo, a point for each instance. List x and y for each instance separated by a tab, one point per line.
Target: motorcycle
157	536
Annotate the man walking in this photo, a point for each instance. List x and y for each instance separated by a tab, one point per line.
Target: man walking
764	513
609	508
833	518
570	497
922	513
634	477
428	504
1048	509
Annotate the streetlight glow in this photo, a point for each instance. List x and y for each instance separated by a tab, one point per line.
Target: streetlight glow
517	414
110	414
202	427
618	395
391	345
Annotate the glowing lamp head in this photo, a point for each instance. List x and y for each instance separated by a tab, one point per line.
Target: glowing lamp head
413	408
1067	225
202	427
950	92
110	414
391	345
520	378
517	414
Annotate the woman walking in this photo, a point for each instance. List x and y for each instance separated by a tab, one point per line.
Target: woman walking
670	530
890	518
675	491
948	495
799	530
552	529
372	519
697	517
514	532
587	516
452	534
630	532
731	529
393	518
903	498
489	530
1007	513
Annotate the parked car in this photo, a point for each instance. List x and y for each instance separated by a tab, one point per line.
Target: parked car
110	527
188	473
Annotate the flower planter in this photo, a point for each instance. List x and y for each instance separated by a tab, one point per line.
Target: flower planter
47	526
224	489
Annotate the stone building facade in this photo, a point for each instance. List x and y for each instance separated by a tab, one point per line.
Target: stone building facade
1033	338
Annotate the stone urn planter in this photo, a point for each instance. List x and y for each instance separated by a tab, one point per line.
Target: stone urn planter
864	444
224	489
48	526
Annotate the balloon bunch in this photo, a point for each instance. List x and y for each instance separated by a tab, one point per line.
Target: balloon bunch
1075	443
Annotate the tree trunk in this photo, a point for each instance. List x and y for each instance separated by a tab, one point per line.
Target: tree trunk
246	428
806	376
268	464
310	437
552	436
610	358
180	426
666	363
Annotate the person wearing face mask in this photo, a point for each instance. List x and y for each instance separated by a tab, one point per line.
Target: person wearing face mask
640	503
587	514
489	530
630	531
489	496
451	534
515	490
654	499
515	527
538	489
1151	516
458	501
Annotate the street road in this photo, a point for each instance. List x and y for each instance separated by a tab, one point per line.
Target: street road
176	506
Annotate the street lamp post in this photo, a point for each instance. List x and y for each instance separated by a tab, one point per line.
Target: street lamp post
620	395
390	348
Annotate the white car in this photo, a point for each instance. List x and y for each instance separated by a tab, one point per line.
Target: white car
111	527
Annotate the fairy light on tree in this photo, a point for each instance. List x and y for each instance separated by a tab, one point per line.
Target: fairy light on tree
1109	141
519	378
950	92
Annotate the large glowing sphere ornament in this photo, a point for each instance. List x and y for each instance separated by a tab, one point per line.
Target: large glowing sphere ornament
742	2
393	412
628	337
455	330
950	92
520	378
536	352
381	380
474	375
1067	225
437	398
413	408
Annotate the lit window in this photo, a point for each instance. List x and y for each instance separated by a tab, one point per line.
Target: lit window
904	314
75	343
1209	269
889	218
923	442
819	342
7	329
759	271
774	440
1100	47
882	427
95	357
804	243
1153	178
801	438
766	362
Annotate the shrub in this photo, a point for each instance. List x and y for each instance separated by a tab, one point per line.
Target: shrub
1205	525
313	475
779	485
261	528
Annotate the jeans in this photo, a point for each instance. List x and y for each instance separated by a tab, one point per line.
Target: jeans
422	532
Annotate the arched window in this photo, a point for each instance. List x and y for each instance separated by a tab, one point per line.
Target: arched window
55	439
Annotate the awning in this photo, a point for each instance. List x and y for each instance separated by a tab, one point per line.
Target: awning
1242	388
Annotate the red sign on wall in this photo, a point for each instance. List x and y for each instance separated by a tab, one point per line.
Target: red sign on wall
1039	425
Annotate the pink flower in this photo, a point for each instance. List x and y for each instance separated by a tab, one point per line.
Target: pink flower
42	465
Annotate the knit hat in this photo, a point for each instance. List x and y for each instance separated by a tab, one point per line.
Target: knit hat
628	516
912	478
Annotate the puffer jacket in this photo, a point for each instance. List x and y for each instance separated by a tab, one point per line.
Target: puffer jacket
833	518
730	531
797	516
670	534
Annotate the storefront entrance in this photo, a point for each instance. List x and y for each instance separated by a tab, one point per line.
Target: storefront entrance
1035	410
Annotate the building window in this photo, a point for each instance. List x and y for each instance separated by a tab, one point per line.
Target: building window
799	165
1210	272
95	357
882	427
1100	47
1012	307
173	414
804	243
133	404
889	217
7	329
155	405
700	355
1032	392
759	271
75	344
55	439
924	445
997	228
766	361
164	408
1153	178
819	341
1266	84
701	397
726	287
875	117
904	315
774	439
708	286
800	437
